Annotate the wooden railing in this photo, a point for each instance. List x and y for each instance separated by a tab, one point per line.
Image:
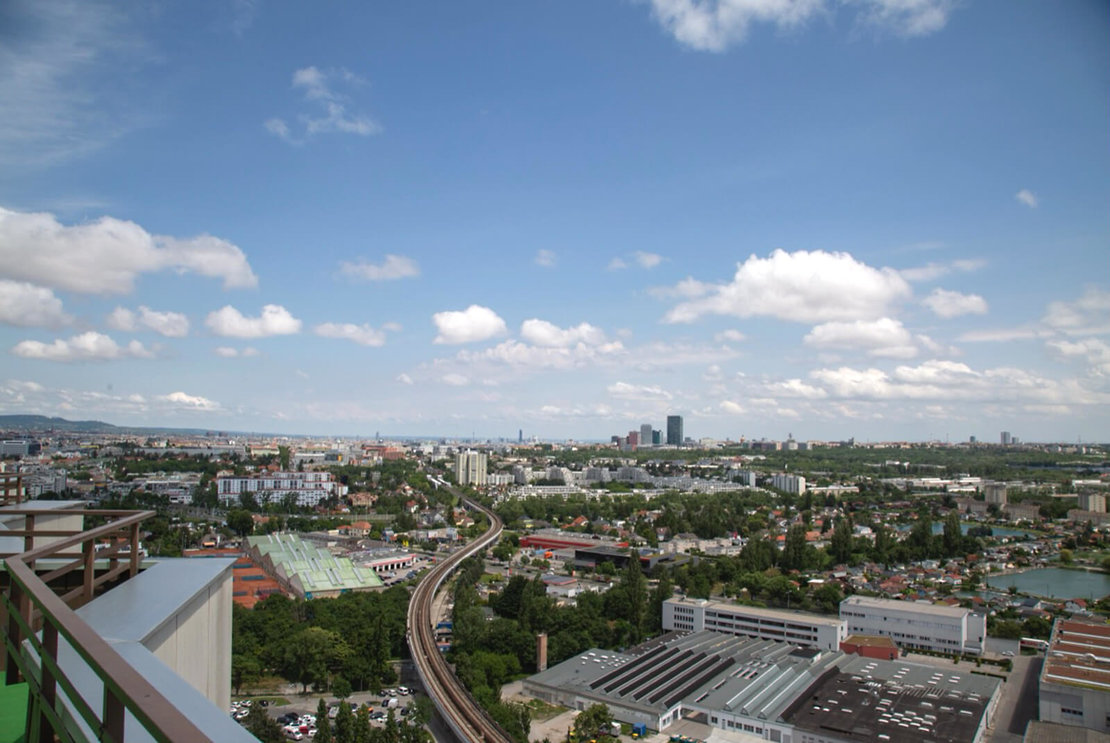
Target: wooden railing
36	617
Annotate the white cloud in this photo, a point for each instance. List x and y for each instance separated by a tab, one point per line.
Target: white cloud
730	335
404	378
1095	352
626	391
1025	196
364	335
184	401
30	306
1088	315
90	346
932	271
732	408
948	304
714	25
948	381
228	352
803	286
640	258
545	334
107	255
321	88
795	388
392	268
455	380
169	324
231	323
545	258
475	323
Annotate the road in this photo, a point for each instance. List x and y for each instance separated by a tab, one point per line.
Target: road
463	714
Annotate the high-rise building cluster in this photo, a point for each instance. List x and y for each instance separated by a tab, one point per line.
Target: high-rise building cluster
470	468
647	436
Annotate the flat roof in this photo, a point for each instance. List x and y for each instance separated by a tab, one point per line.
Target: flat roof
923	607
317	569
758	611
1078	654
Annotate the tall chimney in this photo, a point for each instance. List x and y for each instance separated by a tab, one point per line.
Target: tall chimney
541	652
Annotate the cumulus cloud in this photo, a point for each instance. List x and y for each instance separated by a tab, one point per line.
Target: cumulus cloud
475	323
730	335
169	324
190	402
884	337
948	304
947	381
30	306
545	258
795	388
626	391
714	25
364	335
1091	350
330	114
640	258
231	323
404	378
545	334
803	287
455	380
229	352
90	346
107	255
1088	315
1025	196
392	268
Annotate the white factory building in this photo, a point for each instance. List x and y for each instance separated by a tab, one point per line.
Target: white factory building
916	624
810	630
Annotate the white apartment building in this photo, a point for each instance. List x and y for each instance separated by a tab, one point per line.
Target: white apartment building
810	630
793	484
470	468
913	624
309	487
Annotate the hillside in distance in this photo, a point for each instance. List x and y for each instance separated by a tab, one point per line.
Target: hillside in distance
44	423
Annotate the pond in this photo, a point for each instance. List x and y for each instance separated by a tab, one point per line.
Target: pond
1055	583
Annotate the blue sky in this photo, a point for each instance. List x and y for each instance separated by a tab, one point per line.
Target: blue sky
885	219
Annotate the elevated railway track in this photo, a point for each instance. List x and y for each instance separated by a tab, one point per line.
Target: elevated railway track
463	714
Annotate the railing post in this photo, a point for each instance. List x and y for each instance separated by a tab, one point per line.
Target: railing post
21	607
29	537
48	687
89	573
134	550
113	716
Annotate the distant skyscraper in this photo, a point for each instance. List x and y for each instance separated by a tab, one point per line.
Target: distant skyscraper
674	430
520	436
645	434
1006	438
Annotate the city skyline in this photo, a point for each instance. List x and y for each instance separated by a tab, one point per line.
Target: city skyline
863	219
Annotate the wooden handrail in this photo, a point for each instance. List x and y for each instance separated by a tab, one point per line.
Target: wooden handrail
124	688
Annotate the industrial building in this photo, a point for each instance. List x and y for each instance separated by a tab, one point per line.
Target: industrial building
774	691
916	624
306	570
810	630
1075	679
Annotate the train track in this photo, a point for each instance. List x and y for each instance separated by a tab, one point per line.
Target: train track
463	714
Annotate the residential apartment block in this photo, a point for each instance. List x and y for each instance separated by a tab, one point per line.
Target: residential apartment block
1075	679
809	630
309	487
914	624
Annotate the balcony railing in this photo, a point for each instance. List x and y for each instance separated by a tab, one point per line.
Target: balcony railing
37	618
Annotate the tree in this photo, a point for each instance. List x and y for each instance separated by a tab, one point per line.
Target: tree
840	546
592	720
793	552
323	724
953	538
308	656
344	724
240	521
262	726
